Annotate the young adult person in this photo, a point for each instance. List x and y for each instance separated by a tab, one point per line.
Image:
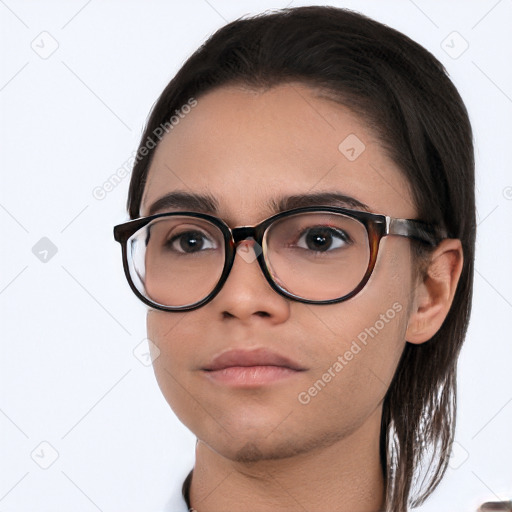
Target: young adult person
303	231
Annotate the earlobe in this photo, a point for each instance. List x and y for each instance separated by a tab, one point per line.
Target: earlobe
433	296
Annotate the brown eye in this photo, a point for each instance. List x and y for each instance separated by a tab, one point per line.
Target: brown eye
189	242
323	239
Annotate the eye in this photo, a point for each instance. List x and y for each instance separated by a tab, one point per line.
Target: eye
189	242
323	239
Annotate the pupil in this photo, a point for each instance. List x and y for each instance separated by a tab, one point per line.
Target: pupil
191	241
319	239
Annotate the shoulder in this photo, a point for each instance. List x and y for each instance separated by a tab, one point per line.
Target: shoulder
496	506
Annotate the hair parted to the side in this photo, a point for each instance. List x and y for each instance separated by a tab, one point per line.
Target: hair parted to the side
404	95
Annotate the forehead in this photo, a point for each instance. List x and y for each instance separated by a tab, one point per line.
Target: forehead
248	149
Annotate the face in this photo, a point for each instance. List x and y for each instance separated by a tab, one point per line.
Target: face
247	148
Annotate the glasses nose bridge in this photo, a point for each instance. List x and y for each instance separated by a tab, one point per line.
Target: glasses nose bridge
242	233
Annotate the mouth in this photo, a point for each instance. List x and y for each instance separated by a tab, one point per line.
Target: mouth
251	368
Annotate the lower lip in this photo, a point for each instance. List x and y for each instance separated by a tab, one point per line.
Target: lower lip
251	376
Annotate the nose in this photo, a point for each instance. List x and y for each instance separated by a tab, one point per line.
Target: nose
246	294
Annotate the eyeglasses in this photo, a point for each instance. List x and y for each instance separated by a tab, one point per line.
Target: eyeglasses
179	261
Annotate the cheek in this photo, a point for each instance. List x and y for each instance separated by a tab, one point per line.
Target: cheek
355	363
173	351
359	342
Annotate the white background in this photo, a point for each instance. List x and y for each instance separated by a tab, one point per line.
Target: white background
69	326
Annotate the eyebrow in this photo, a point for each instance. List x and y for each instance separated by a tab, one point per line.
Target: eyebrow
206	203
203	203
315	199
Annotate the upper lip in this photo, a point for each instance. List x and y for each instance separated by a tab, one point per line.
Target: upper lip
256	357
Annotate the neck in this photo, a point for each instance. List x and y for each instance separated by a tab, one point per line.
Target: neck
344	476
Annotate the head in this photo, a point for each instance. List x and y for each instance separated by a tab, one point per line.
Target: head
260	112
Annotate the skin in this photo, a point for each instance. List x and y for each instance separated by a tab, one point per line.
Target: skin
261	449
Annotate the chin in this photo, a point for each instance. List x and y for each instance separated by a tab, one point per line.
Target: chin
253	445
253	450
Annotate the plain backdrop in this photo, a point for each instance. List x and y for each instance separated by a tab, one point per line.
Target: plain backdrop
83	424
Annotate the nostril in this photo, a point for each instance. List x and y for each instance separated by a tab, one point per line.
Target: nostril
227	314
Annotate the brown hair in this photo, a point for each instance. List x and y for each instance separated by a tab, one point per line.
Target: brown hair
404	94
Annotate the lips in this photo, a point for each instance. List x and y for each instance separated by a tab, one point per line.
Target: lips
245	358
251	368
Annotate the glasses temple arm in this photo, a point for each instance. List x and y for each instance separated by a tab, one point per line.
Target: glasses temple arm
415	229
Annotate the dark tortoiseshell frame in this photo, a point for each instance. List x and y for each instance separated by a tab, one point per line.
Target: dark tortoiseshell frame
377	226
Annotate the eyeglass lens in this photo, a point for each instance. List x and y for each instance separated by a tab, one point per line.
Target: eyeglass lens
178	261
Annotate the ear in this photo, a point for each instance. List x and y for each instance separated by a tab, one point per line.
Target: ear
433	295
